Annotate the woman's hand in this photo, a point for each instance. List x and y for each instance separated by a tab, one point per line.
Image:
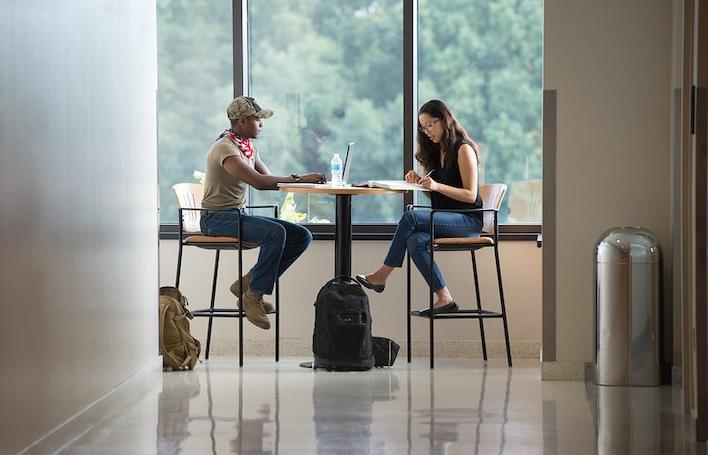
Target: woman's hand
429	183
313	177
412	177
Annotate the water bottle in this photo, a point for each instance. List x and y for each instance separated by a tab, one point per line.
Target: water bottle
336	170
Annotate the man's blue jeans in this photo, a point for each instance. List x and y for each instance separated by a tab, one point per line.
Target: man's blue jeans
413	234
281	243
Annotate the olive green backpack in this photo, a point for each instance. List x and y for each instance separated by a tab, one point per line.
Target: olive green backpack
179	349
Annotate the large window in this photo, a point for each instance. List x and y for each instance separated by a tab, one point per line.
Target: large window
195	84
484	59
332	70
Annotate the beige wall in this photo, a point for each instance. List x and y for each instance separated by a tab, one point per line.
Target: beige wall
78	213
610	63
521	266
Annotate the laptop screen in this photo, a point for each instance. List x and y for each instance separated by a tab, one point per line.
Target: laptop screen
347	163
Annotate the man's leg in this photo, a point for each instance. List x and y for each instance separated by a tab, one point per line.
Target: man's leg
297	239
270	236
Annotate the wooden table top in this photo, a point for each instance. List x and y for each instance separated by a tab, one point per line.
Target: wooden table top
327	189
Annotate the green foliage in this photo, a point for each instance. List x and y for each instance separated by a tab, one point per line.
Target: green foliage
332	72
485	61
195	84
288	210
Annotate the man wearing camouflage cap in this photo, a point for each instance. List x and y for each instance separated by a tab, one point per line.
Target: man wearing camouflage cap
232	164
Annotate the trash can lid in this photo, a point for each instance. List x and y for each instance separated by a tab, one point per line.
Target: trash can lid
624	245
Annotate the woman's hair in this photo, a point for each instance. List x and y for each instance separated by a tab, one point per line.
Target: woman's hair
453	133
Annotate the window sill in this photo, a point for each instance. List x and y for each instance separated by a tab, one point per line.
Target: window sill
507	232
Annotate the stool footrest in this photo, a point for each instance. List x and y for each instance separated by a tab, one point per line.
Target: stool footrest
221	313
461	314
218	313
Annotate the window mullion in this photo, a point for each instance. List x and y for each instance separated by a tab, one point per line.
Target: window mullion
240	46
410	86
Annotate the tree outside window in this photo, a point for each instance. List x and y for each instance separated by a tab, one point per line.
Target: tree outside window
333	73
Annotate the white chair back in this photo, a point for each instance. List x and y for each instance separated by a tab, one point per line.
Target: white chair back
189	195
492	197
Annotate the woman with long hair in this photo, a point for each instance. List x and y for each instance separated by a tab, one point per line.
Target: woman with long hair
449	159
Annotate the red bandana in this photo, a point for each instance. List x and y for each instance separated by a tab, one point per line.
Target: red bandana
244	144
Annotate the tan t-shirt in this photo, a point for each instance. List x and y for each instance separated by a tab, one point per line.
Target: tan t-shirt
221	189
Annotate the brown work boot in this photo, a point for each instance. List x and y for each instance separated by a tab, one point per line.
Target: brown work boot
255	313
267	306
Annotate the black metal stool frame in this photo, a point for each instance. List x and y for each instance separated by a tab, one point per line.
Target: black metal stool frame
479	313
212	312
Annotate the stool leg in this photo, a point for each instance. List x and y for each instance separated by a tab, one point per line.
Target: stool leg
503	305
408	305
432	315
211	303
241	312
277	320
179	264
479	305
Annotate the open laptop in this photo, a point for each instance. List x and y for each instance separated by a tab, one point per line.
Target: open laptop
346	169
347	163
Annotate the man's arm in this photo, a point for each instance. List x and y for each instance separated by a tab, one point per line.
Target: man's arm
260	177
261	167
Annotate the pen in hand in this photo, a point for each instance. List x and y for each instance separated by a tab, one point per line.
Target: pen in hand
426	175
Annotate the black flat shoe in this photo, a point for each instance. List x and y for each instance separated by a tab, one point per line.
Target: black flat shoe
374	287
448	308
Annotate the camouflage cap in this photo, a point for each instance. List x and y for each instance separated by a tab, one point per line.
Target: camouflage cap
245	106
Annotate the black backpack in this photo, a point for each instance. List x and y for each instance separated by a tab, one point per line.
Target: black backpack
342	335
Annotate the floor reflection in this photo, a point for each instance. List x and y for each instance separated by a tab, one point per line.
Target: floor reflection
629	421
461	407
343	409
446	423
251	433
617	420
173	414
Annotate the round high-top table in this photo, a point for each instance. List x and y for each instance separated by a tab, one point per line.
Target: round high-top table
343	217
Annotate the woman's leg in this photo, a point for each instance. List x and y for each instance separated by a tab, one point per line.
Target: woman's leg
418	249
447	224
397	250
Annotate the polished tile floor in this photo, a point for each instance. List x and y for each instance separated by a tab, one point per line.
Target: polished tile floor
462	407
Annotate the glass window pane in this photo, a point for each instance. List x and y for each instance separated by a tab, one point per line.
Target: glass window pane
195	85
484	59
332	72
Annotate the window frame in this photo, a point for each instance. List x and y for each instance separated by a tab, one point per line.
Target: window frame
384	231
381	231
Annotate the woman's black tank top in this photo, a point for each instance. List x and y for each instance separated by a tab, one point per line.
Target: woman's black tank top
451	176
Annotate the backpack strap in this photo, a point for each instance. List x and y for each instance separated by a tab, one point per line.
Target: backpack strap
170	357
338	279
191	344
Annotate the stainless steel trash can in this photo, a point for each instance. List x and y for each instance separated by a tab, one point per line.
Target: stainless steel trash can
627	267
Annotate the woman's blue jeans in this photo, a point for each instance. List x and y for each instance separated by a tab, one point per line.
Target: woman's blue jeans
280	242
413	234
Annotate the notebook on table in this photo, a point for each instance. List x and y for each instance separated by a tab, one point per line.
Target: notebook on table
400	185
